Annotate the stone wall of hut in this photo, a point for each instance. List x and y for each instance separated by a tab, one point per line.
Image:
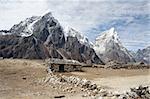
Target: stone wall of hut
64	67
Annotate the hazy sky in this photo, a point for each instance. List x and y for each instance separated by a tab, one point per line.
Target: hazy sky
131	18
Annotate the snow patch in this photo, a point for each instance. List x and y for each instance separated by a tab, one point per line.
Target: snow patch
73	33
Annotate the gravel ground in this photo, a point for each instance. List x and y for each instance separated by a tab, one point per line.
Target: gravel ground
18	80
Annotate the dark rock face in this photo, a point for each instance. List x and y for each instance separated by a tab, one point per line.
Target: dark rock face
43	37
143	55
22	47
5	31
81	52
49	31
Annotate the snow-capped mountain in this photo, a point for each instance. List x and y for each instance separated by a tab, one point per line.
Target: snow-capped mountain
104	38
109	47
25	28
44	37
34	25
73	33
143	55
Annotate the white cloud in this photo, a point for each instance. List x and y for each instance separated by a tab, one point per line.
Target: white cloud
84	15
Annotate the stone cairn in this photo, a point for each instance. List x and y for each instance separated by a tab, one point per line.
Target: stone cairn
139	93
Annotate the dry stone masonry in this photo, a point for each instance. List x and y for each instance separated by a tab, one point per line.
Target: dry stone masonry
90	88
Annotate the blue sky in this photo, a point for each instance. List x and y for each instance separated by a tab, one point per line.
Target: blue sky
131	18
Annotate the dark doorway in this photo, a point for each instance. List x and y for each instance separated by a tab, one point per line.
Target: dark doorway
61	68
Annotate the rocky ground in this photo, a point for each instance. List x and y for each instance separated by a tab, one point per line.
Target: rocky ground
20	79
28	79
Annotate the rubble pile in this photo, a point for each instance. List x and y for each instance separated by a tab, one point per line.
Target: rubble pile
114	65
83	83
139	93
69	84
73	82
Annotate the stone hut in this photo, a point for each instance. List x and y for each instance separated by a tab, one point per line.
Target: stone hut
64	65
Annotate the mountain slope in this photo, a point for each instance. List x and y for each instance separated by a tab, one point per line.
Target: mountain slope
48	35
109	48
24	28
73	33
143	55
78	46
12	46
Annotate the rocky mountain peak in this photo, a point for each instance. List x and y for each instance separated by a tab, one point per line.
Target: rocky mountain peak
47	15
109	47
74	33
143	55
24	28
104	38
112	30
34	25
108	35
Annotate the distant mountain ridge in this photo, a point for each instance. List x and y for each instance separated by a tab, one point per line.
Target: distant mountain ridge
143	55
